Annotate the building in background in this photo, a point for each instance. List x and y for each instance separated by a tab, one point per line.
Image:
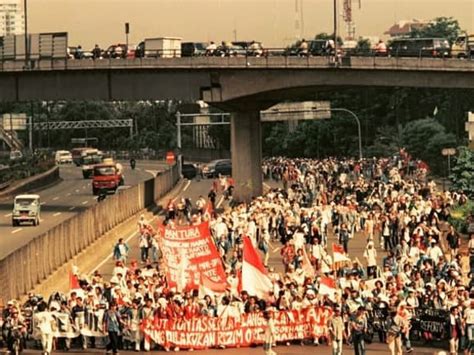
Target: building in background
404	27
12	19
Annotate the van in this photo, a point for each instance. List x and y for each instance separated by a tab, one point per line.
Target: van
63	157
26	208
420	47
193	49
463	46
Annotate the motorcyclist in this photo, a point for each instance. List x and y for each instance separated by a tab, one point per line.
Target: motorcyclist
13	330
133	163
102	195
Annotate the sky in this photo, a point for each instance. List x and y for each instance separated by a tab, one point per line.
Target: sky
270	21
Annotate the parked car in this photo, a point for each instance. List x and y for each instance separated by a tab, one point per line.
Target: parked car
193	49
63	157
189	170
216	167
26	208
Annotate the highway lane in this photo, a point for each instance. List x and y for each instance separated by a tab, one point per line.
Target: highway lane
62	201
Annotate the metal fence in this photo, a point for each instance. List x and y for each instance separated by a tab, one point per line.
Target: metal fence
26	267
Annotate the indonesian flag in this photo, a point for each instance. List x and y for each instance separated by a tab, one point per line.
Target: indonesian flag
254	275
327	286
74	279
209	287
339	254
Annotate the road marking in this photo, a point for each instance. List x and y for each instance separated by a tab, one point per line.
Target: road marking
187	185
71	208
138	169
220	202
84	186
56	198
8	215
42	203
84	202
267	186
102	263
276	249
77	190
17	230
68	194
56	214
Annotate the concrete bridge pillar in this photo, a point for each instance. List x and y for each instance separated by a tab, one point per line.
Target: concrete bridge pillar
246	147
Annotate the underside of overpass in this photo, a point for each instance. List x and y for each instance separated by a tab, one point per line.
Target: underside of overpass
244	91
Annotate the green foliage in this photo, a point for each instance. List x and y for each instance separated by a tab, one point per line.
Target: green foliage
424	139
363	46
440	27
459	216
462	173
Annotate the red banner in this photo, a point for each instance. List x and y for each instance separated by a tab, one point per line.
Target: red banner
208	332
189	252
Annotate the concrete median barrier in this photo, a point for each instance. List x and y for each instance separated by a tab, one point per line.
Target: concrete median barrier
27	266
33	182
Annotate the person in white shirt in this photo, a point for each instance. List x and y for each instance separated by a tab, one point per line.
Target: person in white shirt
46	325
370	254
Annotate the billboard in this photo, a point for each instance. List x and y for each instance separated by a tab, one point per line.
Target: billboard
14	121
289	111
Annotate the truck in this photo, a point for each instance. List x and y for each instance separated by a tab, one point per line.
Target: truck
26	208
51	45
463	46
164	47
107	178
89	158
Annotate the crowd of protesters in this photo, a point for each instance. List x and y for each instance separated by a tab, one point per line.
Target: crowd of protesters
413	264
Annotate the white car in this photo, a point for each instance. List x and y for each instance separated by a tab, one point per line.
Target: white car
63	157
26	208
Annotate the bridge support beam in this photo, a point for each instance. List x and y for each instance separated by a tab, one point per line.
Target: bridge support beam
246	146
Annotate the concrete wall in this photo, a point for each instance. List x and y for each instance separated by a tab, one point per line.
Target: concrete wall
33	182
26	267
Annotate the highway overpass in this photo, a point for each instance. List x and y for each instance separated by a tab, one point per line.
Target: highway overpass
242	85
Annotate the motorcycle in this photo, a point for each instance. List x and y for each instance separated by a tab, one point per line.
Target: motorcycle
133	163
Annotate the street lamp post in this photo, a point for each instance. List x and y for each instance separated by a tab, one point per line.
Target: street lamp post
358	126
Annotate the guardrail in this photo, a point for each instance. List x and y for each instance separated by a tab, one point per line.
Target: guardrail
27	266
270	60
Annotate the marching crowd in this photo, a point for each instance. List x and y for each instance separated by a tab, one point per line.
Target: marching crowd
414	281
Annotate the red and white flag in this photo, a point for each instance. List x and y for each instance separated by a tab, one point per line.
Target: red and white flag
211	288
327	286
339	253
254	275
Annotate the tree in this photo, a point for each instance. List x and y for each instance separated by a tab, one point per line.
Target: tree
363	46
424	139
444	27
462	173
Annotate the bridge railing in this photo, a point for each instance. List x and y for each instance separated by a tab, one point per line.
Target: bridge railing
27	266
267	58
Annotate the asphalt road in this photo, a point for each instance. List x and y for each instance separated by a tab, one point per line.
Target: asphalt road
373	349
62	201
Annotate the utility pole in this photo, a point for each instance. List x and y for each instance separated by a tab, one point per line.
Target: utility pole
178	140
335	28
25	9
127	31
